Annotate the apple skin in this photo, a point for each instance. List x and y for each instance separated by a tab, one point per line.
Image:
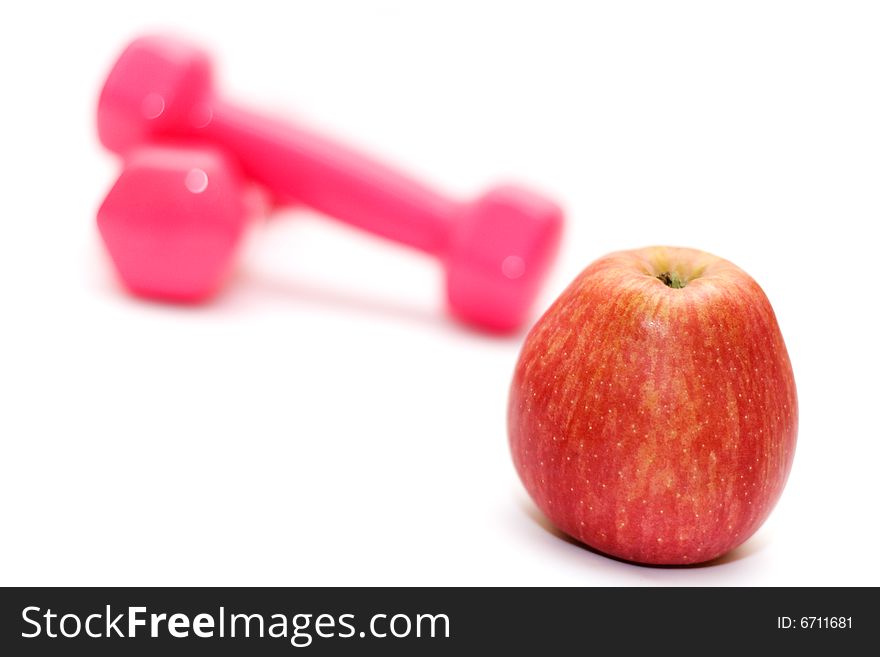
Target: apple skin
656	424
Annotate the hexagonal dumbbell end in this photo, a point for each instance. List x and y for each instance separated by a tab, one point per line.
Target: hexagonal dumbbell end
159	87
499	254
173	220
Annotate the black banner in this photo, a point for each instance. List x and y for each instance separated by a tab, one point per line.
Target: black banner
276	621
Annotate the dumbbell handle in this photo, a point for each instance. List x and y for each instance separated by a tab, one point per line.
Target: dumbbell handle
340	182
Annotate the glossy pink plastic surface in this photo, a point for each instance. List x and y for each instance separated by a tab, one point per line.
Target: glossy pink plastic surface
496	250
173	219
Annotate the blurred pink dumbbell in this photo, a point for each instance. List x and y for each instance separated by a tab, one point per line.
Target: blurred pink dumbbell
496	250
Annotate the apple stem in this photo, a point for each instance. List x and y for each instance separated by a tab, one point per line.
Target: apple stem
672	279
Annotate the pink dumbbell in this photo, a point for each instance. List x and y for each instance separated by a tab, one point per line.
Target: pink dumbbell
496	250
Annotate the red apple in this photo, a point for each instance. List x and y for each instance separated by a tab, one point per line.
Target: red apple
653	411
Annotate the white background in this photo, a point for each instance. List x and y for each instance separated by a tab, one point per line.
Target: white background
322	422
